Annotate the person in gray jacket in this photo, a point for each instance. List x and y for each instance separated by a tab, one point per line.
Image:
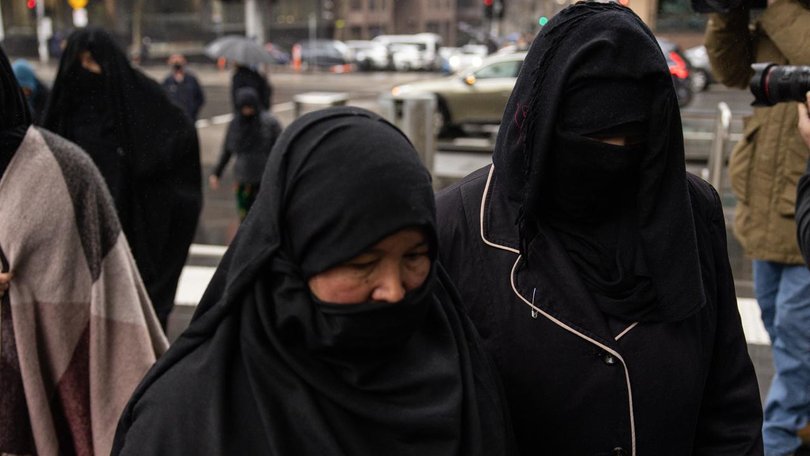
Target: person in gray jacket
251	135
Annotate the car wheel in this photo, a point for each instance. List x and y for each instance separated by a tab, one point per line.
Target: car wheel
700	80
441	122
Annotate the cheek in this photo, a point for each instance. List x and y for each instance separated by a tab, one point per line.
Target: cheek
339	289
415	274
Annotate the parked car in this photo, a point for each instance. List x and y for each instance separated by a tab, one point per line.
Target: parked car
467	56
679	69
325	53
406	57
701	68
474	96
368	55
427	45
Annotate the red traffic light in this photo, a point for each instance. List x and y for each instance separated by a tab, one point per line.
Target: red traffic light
31	4
488	2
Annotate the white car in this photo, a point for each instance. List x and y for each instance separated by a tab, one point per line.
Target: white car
369	55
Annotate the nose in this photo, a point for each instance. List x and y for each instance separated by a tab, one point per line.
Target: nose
389	287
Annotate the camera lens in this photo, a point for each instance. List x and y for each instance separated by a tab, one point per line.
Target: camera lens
772	84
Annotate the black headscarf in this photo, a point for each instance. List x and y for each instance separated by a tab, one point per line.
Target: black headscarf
623	214
160	194
14	114
244	134
265	368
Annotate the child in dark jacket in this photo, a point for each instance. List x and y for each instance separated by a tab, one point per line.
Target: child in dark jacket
251	135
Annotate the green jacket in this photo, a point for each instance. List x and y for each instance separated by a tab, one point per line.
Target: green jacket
766	164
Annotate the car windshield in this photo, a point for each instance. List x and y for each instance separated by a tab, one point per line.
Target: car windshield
507	69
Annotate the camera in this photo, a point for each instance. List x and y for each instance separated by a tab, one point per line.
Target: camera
772	84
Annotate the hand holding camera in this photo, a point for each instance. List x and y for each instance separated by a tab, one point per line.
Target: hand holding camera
804	119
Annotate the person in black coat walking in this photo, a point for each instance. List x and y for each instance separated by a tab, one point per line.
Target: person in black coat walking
145	147
251	135
594	267
183	88
328	328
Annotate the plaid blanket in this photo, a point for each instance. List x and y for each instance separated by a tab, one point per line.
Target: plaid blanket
77	330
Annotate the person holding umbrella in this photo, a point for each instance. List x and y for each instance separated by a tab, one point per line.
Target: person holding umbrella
247	55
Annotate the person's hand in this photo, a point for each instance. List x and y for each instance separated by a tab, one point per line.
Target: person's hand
5	281
804	120
213	182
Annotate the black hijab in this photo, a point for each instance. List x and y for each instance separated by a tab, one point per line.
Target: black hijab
161	195
623	214
245	133
14	115
264	368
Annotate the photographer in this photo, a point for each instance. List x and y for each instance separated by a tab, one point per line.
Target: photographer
803	192
765	167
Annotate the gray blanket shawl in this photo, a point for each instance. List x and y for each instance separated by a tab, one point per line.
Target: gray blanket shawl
78	330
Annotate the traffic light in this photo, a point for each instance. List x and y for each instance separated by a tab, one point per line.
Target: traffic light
31	4
488	8
542	21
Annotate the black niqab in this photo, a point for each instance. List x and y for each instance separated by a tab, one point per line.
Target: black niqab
156	174
264	368
14	115
622	213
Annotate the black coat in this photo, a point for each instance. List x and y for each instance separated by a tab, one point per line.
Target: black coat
578	384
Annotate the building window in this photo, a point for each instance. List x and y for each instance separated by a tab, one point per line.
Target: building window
356	4
678	15
372	5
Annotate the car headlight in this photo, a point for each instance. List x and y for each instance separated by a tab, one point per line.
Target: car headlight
396	91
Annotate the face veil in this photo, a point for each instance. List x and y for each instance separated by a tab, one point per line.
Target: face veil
570	93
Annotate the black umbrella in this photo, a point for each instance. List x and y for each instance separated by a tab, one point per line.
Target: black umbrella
239	49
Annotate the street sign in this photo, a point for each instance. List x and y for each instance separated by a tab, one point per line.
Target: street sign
77	4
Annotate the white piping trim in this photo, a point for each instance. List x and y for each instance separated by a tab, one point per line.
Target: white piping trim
623	333
481	220
598	344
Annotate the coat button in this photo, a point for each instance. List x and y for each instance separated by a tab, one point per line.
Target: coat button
609	359
619	451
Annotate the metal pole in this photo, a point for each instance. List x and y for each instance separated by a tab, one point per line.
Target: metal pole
717	155
417	124
254	26
313	35
41	38
2	29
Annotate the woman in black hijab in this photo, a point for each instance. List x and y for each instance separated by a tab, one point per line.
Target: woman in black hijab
593	266
328	328
144	146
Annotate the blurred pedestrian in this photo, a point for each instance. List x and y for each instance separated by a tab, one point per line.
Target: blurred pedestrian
183	87
251	135
145	147
328	328
77	329
803	206
764	168
593	265
247	76
36	92
803	217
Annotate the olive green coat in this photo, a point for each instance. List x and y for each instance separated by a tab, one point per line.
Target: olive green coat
766	164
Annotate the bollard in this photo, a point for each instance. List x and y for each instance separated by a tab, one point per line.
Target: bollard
717	154
414	115
321	99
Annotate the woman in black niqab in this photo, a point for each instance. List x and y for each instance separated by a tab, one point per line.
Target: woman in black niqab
146	149
267	368
594	265
15	117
